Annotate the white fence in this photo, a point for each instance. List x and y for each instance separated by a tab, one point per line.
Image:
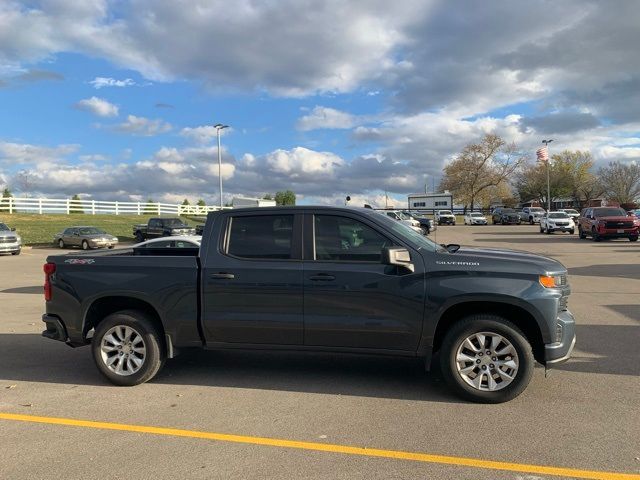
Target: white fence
49	205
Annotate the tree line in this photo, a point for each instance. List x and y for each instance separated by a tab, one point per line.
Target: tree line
493	170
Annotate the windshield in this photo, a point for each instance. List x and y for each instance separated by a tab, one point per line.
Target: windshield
536	209
445	212
558	215
475	214
407	232
409	215
571	210
3	227
403	216
91	231
609	212
174	222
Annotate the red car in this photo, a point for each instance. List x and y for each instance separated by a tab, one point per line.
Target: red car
607	222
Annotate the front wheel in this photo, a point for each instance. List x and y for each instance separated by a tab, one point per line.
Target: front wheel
61	243
127	348
633	239
17	252
139	237
594	235
530	220
581	234
486	359
85	245
572	231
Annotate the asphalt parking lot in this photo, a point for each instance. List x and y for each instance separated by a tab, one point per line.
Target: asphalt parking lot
248	415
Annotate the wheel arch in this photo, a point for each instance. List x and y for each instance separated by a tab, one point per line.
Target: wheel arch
516	314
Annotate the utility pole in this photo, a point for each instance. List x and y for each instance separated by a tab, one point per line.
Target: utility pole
546	144
219	127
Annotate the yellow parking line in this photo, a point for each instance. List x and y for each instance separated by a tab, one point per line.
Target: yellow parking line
327	447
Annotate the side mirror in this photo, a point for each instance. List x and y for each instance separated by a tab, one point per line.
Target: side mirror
397	256
13	229
452	247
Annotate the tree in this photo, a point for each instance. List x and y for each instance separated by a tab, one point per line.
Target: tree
151	207
267	196
286	197
479	167
201	203
75	207
621	182
6	193
24	179
185	202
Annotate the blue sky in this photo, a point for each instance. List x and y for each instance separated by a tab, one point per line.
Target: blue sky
116	99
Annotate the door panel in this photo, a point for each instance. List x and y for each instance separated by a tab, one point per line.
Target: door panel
249	299
359	304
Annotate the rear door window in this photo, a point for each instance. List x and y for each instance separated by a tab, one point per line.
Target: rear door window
260	236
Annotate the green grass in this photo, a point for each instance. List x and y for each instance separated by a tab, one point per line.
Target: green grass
40	229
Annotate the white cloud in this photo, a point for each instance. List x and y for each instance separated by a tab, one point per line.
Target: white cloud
101	82
98	106
325	118
299	161
201	135
19	153
142	126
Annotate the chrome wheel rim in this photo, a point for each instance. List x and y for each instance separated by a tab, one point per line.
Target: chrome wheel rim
123	350
487	361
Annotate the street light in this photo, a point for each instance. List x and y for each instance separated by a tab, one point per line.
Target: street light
218	127
546	144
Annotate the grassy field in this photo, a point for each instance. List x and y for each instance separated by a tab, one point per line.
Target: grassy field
40	229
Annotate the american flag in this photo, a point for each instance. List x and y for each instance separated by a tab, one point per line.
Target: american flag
543	154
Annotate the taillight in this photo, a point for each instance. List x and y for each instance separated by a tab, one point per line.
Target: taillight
49	269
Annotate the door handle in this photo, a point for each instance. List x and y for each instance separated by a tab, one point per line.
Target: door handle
222	276
322	277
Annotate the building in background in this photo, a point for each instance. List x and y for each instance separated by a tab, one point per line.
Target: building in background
239	202
431	201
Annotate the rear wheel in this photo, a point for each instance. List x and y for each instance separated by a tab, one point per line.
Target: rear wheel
139	237
486	359
127	348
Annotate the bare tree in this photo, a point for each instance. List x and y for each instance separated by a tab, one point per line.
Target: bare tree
24	179
621	181
479	167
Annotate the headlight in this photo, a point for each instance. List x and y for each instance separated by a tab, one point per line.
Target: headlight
553	281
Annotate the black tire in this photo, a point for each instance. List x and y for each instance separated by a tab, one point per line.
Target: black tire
61	243
572	231
633	239
581	234
486	323
85	245
541	229
139	237
531	222
548	231
594	236
18	251
154	347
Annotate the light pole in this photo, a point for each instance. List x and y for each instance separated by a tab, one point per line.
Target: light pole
546	144
219	127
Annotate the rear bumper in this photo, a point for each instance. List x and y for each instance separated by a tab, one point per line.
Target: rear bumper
55	328
559	352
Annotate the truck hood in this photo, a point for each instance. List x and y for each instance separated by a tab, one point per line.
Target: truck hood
503	260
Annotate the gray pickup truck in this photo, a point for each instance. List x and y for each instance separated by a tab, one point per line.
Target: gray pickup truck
324	279
161	227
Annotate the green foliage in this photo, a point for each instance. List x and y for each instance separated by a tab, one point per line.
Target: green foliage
621	182
201	203
75	208
6	193
267	197
286	197
185	202
151	207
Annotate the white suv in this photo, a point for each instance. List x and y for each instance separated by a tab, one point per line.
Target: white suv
403	218
531	214
445	216
557	222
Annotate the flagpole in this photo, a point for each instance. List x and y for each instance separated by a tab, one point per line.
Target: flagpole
546	144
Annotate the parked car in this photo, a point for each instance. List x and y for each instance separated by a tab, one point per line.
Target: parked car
427	225
635	213
445	217
557	222
505	216
531	214
186	241
10	241
475	218
574	214
85	237
607	222
359	282
161	227
199	229
405	219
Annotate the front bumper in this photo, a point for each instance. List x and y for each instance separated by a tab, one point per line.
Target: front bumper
559	352
100	244
611	233
10	247
447	220
478	222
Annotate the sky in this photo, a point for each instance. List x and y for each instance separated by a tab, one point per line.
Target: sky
116	99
